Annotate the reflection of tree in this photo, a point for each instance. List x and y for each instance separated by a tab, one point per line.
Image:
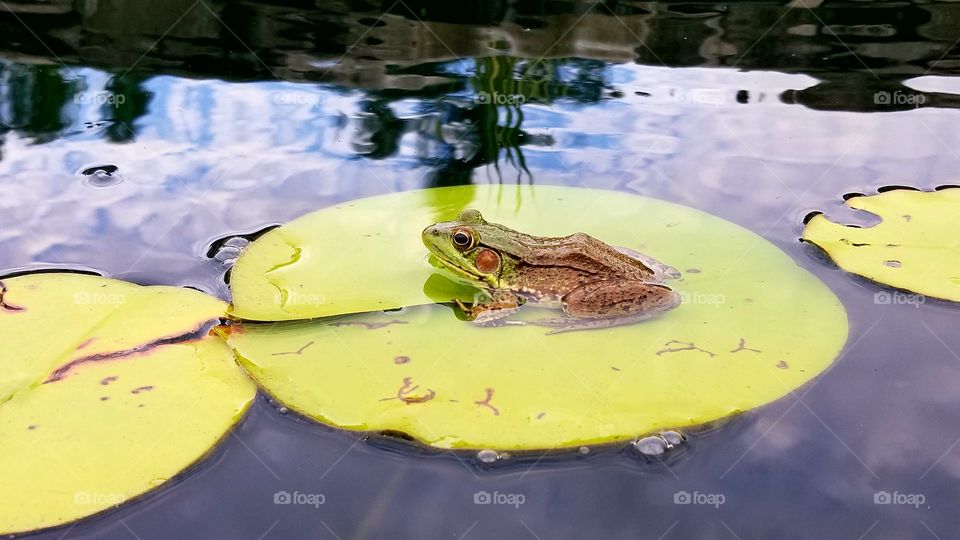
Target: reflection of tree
130	102
40	101
38	97
358	45
457	135
867	93
380	130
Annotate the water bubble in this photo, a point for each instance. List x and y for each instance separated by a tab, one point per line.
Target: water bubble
487	456
101	175
673	438
583	450
226	252
650	446
284	410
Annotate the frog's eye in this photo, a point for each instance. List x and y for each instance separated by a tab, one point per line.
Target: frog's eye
462	239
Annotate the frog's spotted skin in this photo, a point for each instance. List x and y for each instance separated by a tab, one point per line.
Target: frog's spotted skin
595	285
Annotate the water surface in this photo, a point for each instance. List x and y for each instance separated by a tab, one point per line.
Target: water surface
198	121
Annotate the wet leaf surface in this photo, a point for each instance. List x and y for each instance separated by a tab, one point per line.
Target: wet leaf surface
752	328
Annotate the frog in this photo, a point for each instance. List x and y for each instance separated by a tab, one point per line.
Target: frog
595	285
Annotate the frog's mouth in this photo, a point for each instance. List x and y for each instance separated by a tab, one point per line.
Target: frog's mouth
438	261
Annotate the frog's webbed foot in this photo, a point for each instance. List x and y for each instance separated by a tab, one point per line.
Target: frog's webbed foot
660	270
490	308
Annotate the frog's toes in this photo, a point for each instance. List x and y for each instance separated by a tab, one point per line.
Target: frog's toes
656	445
494	318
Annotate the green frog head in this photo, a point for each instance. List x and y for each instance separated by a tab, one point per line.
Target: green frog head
473	248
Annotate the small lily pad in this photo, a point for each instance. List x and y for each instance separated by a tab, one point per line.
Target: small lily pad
107	390
915	247
753	325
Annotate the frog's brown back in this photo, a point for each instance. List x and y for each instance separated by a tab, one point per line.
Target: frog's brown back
584	254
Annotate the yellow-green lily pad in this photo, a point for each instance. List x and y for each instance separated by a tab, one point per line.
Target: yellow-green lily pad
915	247
100	400
753	326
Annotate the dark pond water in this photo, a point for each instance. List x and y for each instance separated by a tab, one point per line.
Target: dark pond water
134	135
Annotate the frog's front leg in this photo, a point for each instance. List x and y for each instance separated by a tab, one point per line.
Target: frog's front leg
614	302
491	306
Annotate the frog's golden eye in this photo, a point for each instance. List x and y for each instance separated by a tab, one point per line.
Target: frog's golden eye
462	239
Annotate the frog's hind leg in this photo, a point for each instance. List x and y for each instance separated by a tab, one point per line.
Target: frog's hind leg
661	270
614	302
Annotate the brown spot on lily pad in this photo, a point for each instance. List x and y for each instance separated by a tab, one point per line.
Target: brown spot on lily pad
401	359
298	351
140	389
403	394
104	398
893	264
4	305
486	402
107	380
783	364
615	368
146	348
686	347
742	346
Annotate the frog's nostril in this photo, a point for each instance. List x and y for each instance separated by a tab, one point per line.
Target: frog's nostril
435	231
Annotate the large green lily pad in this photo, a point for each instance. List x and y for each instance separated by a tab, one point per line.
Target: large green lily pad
753	325
915	247
99	403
